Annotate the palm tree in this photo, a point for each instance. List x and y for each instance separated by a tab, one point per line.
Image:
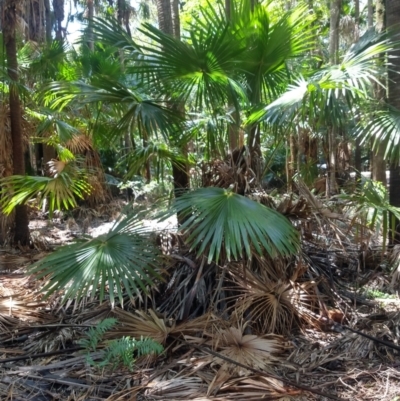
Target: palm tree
10	12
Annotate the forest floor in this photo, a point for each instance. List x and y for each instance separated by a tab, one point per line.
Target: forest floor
39	359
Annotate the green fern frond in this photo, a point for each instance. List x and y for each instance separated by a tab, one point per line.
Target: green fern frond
124	350
95	334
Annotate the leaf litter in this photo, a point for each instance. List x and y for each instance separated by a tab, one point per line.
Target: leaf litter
281	318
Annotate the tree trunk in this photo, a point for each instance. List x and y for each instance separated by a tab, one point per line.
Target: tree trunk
58	7
49	21
164	13
331	186
21	230
357	151
378	157
90	15
171	26
393	21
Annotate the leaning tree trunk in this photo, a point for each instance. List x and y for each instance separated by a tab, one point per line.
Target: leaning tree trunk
10	13
393	21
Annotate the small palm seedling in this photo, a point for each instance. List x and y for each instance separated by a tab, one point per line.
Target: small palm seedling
370	207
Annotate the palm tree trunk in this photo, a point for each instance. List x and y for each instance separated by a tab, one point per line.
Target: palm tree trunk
49	22
58	8
164	13
90	8
171	26
331	186
21	230
378	157
393	20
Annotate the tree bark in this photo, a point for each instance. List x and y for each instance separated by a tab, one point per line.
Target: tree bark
49	21
393	21
331	186
58	7
21	230
378	157
169	23
90	15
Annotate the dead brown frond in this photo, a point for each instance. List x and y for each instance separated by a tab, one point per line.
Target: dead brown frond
273	306
257	352
141	324
395	263
178	388
256	388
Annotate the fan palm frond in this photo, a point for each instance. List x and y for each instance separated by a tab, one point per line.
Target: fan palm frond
61	190
273	307
218	220
330	93
123	260
141	324
384	131
160	152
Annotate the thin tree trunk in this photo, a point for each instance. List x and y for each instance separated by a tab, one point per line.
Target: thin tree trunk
90	14
292	162
370	13
58	8
357	151
171	26
49	21
21	230
393	21
331	186
378	171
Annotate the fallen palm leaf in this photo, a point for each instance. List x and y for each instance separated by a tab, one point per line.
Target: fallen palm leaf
140	324
273	307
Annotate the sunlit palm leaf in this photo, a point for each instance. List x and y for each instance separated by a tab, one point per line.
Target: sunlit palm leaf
60	191
384	130
138	157
123	260
330	93
219	220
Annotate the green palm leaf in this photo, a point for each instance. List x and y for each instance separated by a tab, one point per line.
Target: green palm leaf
61	190
384	130
329	94
123	260
220	220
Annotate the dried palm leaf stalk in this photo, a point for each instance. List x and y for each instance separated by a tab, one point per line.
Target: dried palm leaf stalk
273	307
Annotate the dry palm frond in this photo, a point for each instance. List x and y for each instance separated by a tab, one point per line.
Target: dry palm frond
255	388
79	144
273	307
140	324
395	263
178	388
257	352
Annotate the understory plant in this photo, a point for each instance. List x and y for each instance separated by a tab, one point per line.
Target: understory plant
123	351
